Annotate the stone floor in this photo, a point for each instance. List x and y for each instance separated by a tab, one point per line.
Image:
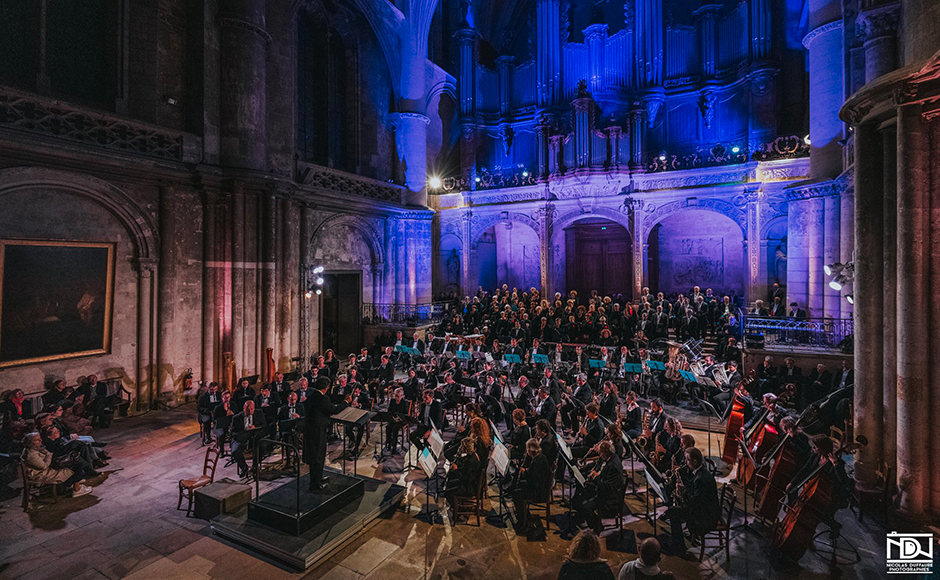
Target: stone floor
130	528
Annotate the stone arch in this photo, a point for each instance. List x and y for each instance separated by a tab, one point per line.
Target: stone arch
139	225
486	222
369	234
563	221
772	223
725	208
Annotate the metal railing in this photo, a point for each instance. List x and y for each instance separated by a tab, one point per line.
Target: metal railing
819	333
429	313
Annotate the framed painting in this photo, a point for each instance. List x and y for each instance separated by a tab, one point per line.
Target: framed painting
55	300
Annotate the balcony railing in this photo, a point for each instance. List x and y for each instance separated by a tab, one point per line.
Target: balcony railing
411	314
813	333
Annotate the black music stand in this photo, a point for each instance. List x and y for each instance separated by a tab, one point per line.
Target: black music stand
710	410
381	417
501	464
357	419
749	457
429	464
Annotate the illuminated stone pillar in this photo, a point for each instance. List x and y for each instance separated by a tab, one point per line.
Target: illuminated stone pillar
243	44
753	287
869	324
890	296
913	265
877	28
146	311
411	139
824	44
546	215
797	251
831	245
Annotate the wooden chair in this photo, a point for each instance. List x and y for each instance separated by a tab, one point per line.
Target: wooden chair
546	506
471	505
30	487
722	534
837	435
188	487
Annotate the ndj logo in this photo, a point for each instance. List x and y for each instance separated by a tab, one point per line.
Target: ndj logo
909	553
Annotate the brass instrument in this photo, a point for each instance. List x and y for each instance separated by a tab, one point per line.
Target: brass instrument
672	477
642	440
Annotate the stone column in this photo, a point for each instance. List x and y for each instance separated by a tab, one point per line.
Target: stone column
797	252
876	28
242	108
824	44
847	241
546	216
411	139
146	310
913	262
639	250
237	272
754	288
557	157
268	278
209	292
869	323
831	253
890	296
466	221
595	36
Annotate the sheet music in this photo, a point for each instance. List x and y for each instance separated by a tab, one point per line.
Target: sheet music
427	462
578	475
563	446
500	457
654	485
436	442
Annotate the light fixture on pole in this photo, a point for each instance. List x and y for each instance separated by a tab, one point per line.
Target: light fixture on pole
850	298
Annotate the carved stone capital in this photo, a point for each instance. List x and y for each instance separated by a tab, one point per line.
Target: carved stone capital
877	22
820	31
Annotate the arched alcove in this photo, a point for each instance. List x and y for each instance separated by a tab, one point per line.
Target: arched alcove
696	247
598	256
508	253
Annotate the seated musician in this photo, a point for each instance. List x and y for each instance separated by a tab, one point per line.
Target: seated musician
450	391
602	494
519	435
492	394
293	412
243	392
246	423
547	442
657	419
385	373
669	439
463	477
572	407
222	419
534	484
774	412
412	387
358	399
632	420
545	407
205	409
590	434
482	440
741	390
800	441
400	406
522	401
533	350
700	511
514	347
551	384
432	416
280	385
822	452
767	373
462	431
681	474
609	401
269	403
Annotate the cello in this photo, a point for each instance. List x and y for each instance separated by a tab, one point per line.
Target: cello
794	534
760	440
735	421
781	473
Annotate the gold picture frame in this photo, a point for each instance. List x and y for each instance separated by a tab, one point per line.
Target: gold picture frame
56	300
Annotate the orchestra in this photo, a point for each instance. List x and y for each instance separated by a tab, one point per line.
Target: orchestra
582	403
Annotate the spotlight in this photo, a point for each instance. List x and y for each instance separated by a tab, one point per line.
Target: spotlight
434	182
735	149
319	291
850	298
319	281
318	269
525	174
477	179
807	140
171	100
839	281
308	294
833	268
662	156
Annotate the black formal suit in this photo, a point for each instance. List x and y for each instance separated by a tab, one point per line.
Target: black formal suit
534	485
517	441
281	388
241	395
700	512
602	495
549	447
818	387
546	409
318	410
608	406
243	437
385	373
798	314
432	416
269	410
394	426
842	379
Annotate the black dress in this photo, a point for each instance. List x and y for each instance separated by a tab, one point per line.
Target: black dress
585	571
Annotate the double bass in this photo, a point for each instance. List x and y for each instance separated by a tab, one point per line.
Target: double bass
793	535
781	473
760	441
735	421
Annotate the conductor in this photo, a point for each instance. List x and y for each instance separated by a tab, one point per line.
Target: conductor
318	409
